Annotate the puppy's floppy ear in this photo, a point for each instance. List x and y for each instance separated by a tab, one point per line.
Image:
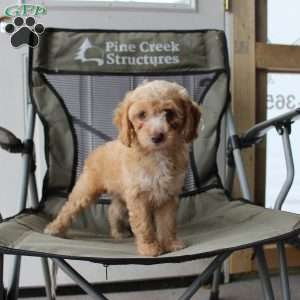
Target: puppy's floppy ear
192	119
123	123
192	115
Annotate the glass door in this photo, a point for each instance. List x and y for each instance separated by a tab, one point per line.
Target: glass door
283	95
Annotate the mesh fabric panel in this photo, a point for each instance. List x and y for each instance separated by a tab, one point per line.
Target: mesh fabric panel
91	100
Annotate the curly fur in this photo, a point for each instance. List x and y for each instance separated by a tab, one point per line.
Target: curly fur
144	177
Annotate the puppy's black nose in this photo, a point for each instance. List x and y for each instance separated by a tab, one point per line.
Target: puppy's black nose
158	138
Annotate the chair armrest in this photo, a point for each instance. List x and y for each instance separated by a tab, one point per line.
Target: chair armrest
256	134
9	142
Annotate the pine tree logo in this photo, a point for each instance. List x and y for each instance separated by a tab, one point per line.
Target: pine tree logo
88	51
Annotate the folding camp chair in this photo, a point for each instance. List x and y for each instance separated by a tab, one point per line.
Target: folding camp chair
76	78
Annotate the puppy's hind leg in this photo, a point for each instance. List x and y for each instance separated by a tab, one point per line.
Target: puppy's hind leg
84	193
118	219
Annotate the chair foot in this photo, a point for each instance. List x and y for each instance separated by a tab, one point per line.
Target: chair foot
214	296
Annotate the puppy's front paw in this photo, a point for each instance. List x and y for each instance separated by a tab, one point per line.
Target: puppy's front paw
174	245
53	229
149	249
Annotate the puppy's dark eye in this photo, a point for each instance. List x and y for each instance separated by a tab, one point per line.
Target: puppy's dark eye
170	114
142	115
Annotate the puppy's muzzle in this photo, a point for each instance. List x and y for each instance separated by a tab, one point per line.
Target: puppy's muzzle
158	138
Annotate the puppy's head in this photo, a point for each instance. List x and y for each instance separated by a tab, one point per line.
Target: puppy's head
156	115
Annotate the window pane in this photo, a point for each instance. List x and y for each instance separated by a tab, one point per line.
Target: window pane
185	2
283	96
175	2
283	22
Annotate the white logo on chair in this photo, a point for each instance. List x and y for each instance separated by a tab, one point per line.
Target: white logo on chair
81	54
138	53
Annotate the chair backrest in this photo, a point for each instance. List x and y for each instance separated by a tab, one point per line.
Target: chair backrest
77	77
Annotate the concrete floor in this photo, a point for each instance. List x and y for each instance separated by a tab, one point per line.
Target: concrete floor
239	290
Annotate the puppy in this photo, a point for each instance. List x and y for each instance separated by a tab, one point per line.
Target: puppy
143	170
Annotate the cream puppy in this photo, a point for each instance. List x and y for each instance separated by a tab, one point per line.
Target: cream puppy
143	170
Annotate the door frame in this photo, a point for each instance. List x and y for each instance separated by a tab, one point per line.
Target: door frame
252	59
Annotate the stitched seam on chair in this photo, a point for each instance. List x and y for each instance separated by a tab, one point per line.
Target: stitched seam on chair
32	228
18	240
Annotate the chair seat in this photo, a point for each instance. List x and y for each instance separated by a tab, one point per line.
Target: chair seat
208	222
